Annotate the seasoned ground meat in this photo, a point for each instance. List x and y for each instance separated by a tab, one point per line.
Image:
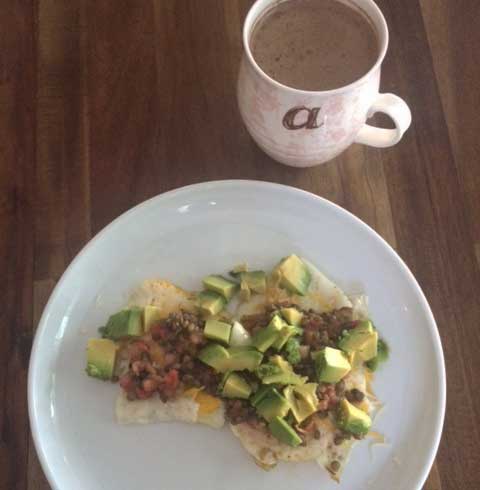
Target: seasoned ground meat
354	395
306	368
337	321
251	322
201	375
239	411
327	396
324	329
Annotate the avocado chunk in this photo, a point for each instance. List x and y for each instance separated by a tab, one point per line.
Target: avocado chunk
238	269
210	303
369	349
284	334
125	323
215	356
303	400
220	285
216	330
292	316
331	365
245	292
151	315
281	430
273	405
101	355
261	393
236	387
135	321
352	419
363	339
279	371
243	358
294	275
233	359
382	356
267	336
256	281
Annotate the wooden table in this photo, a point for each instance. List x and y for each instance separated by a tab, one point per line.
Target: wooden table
106	103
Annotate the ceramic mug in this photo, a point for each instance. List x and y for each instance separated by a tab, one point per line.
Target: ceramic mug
304	128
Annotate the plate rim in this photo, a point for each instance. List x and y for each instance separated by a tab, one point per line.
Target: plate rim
432	325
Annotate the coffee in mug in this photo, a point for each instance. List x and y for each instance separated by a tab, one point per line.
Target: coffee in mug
309	79
314	44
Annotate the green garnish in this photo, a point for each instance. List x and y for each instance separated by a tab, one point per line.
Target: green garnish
292	350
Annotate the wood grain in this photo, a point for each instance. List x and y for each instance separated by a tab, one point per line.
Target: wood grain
62	220
452	29
104	104
17	144
36	479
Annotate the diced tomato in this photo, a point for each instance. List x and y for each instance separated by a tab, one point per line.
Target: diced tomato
126	382
142	346
159	332
136	349
142	394
171	380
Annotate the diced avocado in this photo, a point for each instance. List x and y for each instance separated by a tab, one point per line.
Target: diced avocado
294	275
233	359
292	315
239	336
282	337
362	339
369	349
117	325
281	363
354	359
352	419
267	336
215	356
382	356
256	281
225	376
216	330
101	354
279	371
331	365
273	405
307	392
303	400
238	269
283	378
236	387
151	315
210	303
125	323
243	358
135	321
245	292
284	334
261	393
284	432
220	285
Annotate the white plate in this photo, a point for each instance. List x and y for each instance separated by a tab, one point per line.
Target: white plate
183	235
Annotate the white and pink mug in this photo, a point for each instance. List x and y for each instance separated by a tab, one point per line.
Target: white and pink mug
305	128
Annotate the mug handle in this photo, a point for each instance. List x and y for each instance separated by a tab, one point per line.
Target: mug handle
398	111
